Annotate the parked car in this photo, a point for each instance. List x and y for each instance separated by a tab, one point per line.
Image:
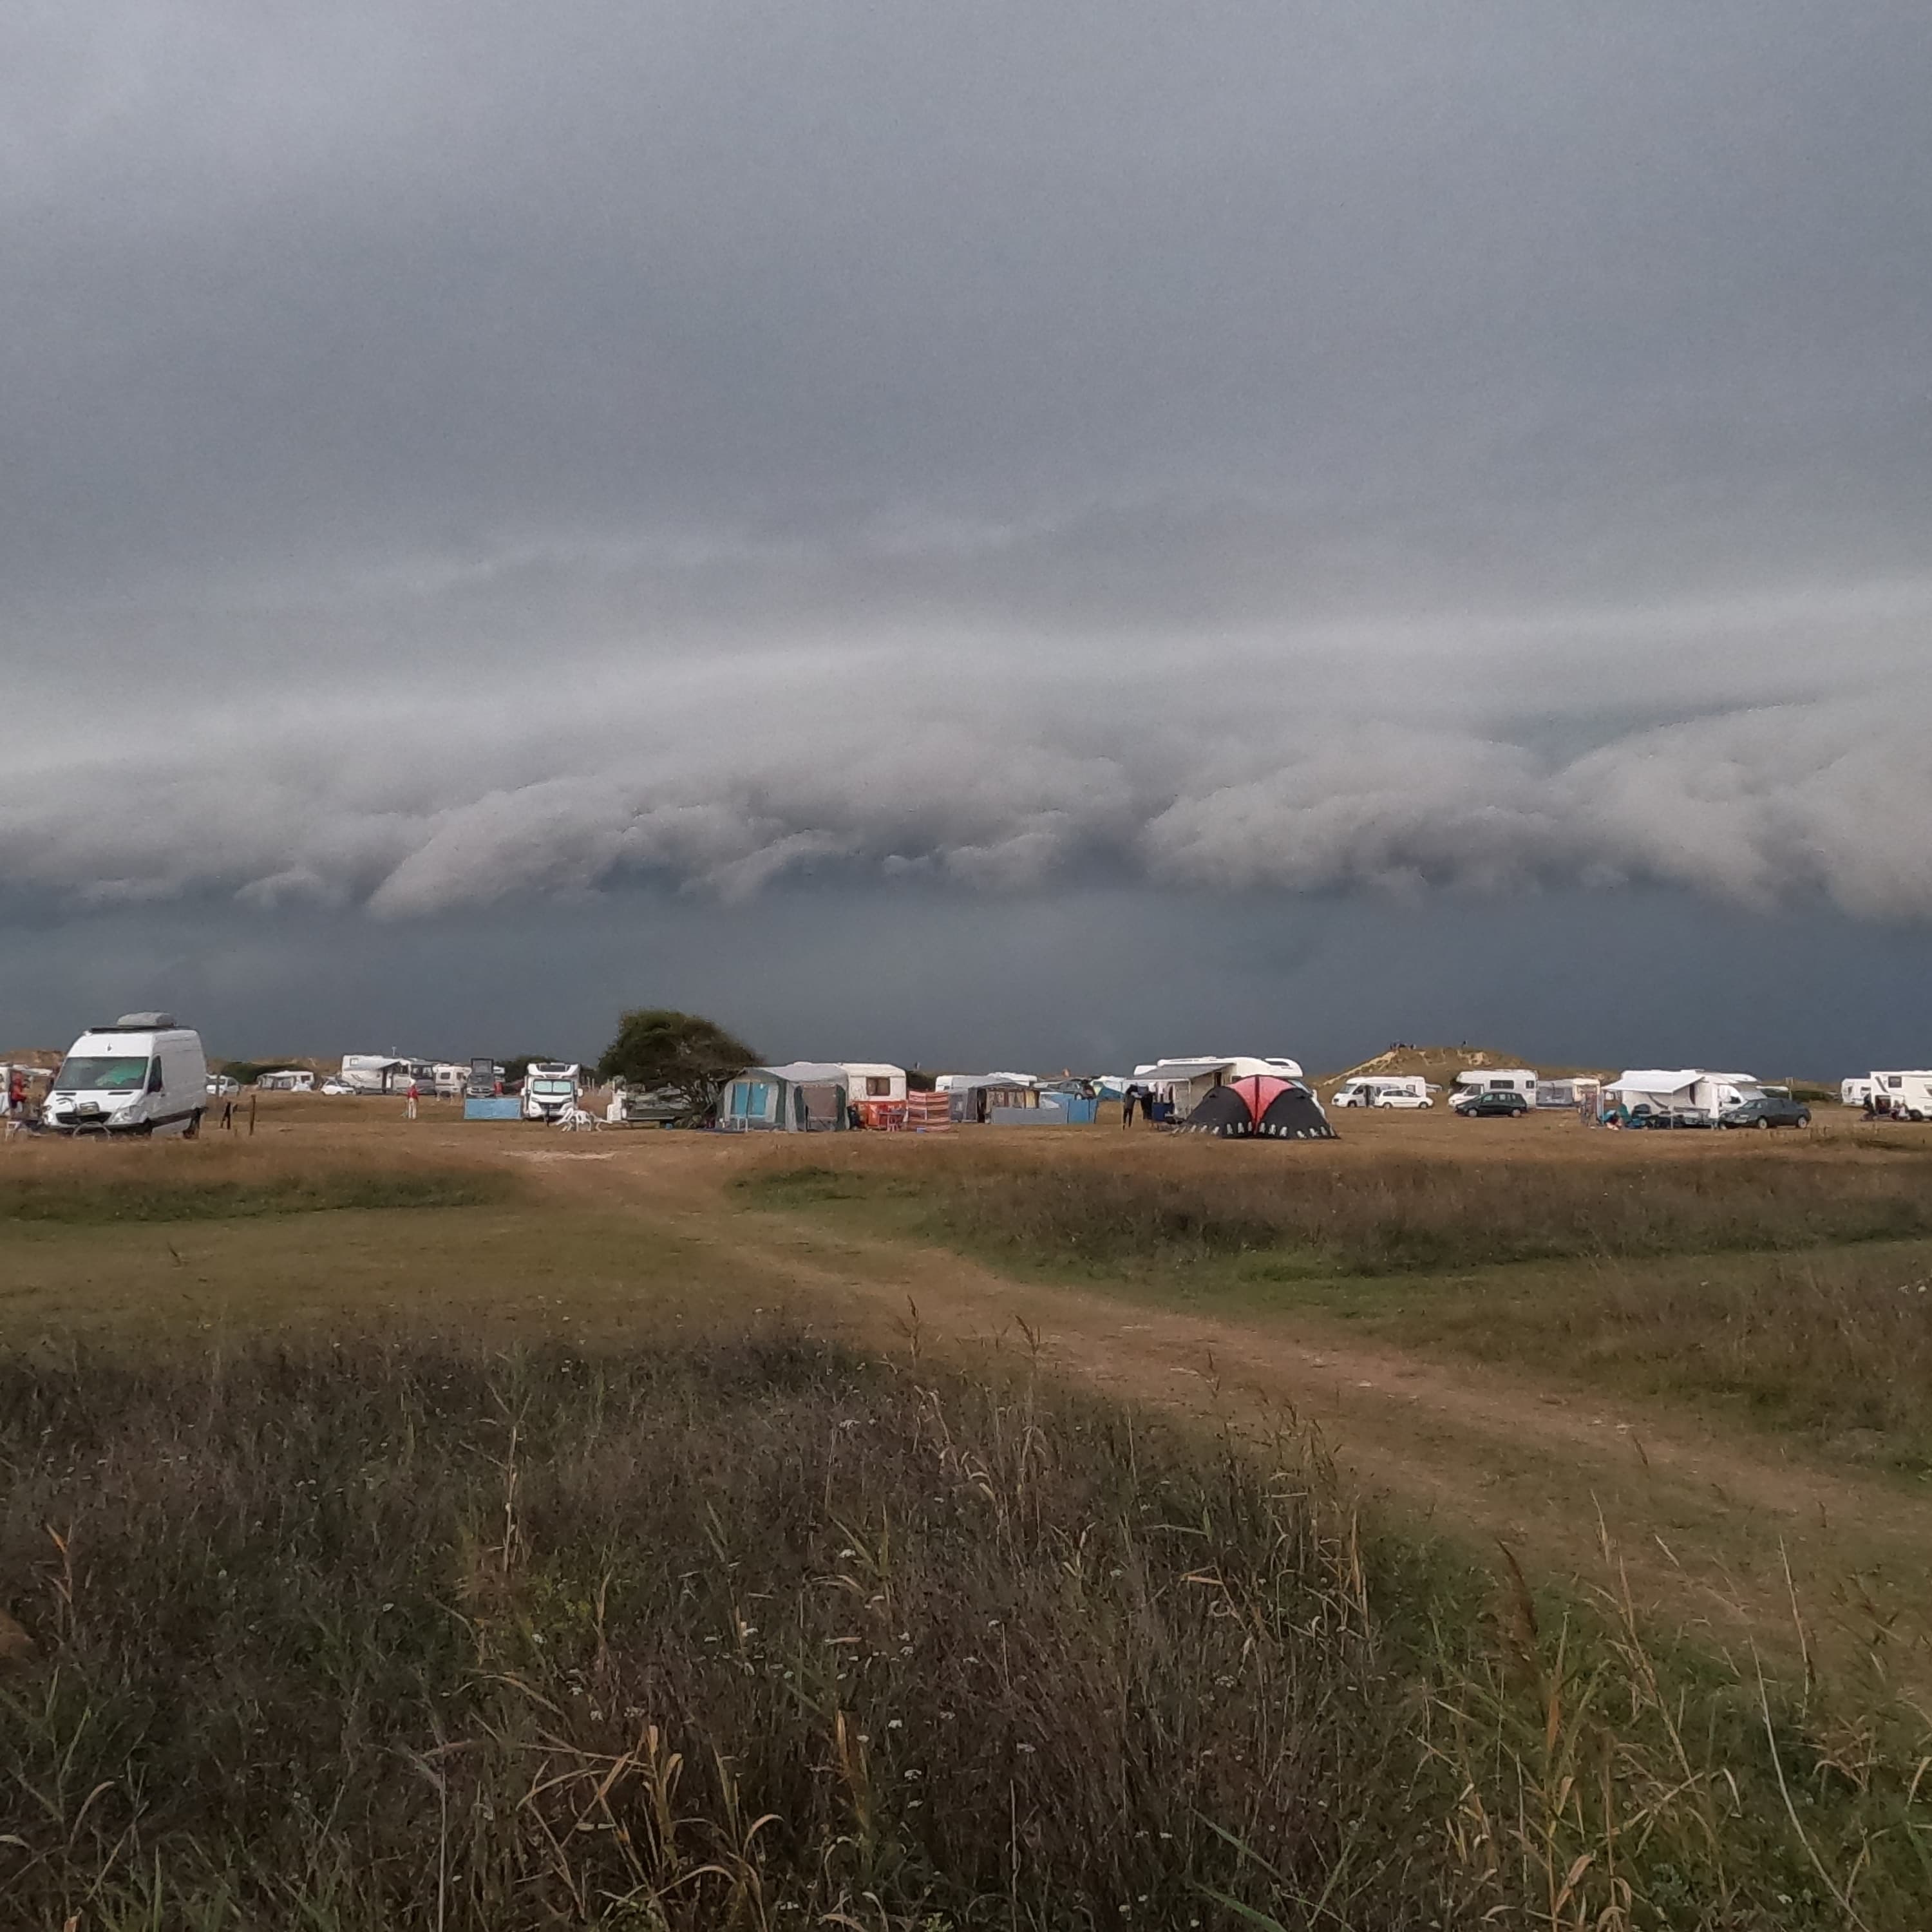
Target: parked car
222	1087
1643	1115
336	1087
1480	1106
1772	1110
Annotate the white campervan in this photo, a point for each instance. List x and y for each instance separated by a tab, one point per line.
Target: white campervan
1905	1095
1383	1090
1856	1092
143	1074
549	1089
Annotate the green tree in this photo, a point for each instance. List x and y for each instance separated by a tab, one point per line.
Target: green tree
655	1047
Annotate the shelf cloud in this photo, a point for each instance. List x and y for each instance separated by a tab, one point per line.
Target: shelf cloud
457	456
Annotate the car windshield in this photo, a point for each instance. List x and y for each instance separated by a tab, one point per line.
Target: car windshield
119	1073
550	1086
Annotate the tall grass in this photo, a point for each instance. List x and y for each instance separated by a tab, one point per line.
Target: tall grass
1836	1343
1186	1204
91	1183
762	1635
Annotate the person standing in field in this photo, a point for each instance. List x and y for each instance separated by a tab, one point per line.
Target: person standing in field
1127	1099
410	1110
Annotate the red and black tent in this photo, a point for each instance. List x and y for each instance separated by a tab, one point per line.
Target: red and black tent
1260	1106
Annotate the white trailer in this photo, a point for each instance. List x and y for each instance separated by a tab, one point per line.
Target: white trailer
374	1072
286	1080
143	1074
1905	1095
874	1080
1382	1090
1682	1091
1857	1091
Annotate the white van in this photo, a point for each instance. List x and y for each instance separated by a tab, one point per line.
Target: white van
1855	1092
1383	1090
143	1074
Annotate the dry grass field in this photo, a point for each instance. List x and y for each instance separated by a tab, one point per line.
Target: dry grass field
1633	1631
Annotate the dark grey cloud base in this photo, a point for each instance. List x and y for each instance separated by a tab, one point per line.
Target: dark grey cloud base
477	468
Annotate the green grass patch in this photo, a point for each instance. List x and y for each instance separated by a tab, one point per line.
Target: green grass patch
83	1200
1806	1319
761	1634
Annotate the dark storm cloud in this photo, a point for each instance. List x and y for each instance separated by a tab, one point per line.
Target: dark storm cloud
458	453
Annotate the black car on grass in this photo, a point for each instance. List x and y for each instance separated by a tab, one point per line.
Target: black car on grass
1767	1110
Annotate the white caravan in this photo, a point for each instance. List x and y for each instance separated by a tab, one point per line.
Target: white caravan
1582	1091
874	1080
1856	1092
549	1089
287	1080
1474	1081
1905	1095
1682	1090
374	1072
1382	1090
143	1074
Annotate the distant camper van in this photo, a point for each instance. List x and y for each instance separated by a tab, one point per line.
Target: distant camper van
1383	1090
289	1080
143	1074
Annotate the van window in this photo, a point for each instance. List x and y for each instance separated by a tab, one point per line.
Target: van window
154	1075
118	1073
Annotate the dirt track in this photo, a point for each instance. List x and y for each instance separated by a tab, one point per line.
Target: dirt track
1704	1520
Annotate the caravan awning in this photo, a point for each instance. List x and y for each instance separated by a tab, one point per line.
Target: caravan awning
1655	1080
1182	1070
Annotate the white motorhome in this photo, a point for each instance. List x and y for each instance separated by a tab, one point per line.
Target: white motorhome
1857	1091
374	1072
550	1089
1475	1080
1382	1090
143	1074
287	1080
1905	1095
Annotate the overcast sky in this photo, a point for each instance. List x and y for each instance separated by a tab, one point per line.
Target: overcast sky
541	501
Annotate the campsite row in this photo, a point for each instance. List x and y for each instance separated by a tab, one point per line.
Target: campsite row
145	1073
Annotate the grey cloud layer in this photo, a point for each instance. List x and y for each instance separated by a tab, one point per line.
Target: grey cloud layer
463	451
1270	782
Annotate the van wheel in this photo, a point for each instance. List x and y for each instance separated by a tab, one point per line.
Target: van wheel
192	1132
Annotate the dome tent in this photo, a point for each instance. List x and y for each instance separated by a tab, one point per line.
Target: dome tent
1260	1106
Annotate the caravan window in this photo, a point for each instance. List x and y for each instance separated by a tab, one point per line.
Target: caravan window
878	1086
121	1073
